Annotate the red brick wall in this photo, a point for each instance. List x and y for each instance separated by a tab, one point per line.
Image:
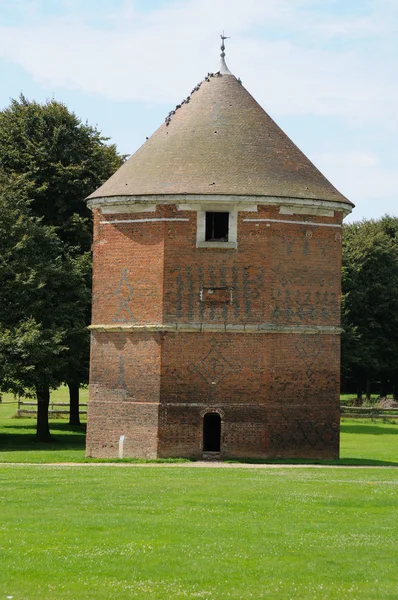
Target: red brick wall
279	273
303	395
127	270
305	272
244	431
107	422
278	393
205	371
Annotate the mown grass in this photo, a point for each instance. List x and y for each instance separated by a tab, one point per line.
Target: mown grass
17	435
369	442
111	533
104	533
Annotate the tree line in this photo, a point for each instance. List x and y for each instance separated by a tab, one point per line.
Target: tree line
49	162
369	348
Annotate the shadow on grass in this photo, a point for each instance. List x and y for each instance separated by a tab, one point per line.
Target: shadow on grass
54	426
23	437
368	428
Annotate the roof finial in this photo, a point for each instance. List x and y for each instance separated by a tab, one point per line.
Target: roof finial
223	67
223	38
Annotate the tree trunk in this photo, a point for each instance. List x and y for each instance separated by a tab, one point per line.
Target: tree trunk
368	389
358	399
42	427
74	418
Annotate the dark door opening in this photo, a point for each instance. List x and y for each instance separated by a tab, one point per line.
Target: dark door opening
211	432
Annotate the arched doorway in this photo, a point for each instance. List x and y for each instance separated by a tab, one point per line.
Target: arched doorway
211	432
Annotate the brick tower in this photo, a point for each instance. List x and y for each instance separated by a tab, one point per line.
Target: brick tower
216	290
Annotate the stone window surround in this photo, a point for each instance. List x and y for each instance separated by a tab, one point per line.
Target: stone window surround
220	206
232	229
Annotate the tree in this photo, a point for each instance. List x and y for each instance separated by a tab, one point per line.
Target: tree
76	369
60	161
370	301
42	294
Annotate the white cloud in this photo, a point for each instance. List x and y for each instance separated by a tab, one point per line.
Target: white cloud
297	57
160	55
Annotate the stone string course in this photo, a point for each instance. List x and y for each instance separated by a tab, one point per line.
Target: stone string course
221	327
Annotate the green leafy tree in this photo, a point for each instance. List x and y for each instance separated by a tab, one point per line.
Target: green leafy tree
42	296
370	302
60	161
389	225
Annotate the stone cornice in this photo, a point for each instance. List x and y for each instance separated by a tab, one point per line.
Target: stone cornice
128	203
216	328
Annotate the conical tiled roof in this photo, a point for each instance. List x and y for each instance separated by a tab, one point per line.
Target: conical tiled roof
220	142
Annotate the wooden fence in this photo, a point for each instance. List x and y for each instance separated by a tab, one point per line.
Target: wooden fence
365	412
55	408
351	412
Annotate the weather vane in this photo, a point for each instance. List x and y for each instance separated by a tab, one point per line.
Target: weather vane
223	38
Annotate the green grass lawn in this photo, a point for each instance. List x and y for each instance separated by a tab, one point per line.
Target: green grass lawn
17	435
368	442
109	533
99	532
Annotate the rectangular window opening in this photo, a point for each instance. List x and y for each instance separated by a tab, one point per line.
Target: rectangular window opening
217	226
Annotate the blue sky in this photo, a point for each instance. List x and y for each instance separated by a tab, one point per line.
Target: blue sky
325	70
